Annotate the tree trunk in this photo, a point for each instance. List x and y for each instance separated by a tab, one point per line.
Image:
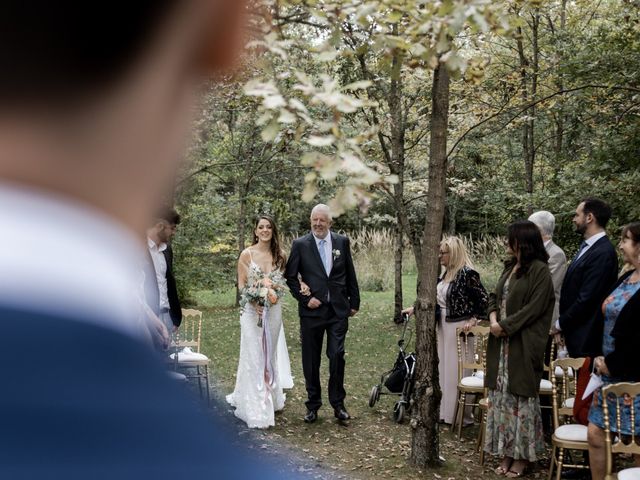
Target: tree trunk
529	87
560	42
398	301
425	439
396	166
453	213
241	226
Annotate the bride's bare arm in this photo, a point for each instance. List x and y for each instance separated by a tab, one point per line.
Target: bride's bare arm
243	268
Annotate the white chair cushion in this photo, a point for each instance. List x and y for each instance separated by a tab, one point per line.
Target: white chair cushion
559	373
573	433
545	385
568	403
479	374
188	355
629	474
472	382
180	377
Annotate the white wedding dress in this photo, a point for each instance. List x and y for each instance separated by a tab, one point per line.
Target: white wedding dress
263	367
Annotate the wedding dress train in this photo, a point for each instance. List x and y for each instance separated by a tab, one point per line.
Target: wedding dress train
284	364
263	370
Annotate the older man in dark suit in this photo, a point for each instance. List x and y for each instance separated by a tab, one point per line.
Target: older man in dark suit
322	260
588	280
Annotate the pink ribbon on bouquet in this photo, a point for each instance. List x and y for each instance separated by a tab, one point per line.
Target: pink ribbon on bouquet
269	376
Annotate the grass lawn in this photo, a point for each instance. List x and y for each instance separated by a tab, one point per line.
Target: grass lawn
372	446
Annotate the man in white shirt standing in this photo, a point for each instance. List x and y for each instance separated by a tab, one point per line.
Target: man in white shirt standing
158	242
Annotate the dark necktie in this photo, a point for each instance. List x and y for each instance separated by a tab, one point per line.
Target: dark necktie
583	245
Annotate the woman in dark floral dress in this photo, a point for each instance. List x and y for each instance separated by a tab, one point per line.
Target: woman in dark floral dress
519	313
619	360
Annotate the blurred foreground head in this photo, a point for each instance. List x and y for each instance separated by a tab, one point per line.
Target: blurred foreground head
96	98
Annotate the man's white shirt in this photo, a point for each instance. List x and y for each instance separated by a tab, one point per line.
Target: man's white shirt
160	266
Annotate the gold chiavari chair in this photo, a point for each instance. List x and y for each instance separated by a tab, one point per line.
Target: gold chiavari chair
471	357
624	396
566	435
186	340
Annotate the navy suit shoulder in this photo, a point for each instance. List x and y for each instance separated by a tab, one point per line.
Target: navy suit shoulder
82	401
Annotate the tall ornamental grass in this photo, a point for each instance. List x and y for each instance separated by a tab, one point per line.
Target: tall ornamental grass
374	253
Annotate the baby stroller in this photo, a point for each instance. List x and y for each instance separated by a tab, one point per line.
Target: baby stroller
399	380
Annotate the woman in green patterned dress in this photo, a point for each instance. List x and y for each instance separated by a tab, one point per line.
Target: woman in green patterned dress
520	312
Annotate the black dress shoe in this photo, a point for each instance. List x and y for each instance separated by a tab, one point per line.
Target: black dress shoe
341	413
311	416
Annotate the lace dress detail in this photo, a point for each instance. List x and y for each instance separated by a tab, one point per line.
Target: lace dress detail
258	390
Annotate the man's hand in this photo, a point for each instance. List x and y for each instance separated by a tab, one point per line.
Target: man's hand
314	303
162	333
600	367
352	312
304	289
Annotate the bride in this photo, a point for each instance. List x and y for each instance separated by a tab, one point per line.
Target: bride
263	367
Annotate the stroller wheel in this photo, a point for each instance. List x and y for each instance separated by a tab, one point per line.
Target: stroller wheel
374	396
398	412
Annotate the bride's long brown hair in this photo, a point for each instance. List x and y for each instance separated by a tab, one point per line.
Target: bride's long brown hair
276	251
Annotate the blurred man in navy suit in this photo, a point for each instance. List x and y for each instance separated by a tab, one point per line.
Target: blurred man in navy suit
94	107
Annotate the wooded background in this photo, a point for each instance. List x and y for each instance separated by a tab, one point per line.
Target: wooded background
462	115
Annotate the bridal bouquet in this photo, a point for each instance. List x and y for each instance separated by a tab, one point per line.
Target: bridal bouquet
264	290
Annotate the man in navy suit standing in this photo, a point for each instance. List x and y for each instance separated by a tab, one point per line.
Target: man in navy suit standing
94	112
588	280
322	260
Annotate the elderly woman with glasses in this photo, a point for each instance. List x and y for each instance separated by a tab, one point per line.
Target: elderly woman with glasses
462	300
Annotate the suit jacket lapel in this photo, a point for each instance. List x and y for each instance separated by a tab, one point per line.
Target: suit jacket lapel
588	253
334	247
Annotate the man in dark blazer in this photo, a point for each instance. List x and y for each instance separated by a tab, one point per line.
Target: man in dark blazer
91	130
588	280
322	260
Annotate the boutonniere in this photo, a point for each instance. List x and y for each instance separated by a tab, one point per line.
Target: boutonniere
336	253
